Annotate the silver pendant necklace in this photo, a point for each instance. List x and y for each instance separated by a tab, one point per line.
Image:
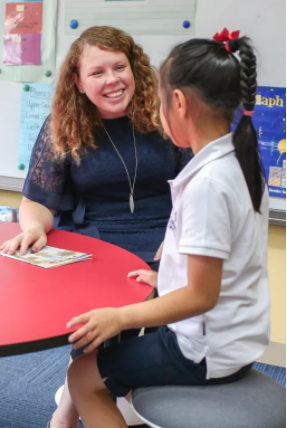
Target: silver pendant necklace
132	186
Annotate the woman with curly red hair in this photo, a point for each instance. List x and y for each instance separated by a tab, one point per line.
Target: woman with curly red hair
100	165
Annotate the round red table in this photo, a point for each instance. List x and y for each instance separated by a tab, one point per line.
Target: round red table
37	303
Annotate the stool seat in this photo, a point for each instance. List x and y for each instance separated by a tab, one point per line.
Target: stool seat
256	401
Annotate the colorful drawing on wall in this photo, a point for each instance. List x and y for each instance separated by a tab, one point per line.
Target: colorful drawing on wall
22	33
269	121
270	124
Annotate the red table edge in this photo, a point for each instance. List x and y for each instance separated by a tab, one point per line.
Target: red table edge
42	344
34	346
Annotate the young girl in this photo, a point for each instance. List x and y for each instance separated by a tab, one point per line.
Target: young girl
213	307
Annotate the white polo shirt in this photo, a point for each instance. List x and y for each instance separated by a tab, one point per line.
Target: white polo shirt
213	216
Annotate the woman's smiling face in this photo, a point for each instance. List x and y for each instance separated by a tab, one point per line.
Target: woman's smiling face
107	80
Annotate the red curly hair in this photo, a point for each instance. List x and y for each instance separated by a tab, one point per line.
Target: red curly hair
74	117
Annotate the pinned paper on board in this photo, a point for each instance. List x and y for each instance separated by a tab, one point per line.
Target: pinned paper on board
35	107
22	49
28	47
269	121
22	33
143	17
23	18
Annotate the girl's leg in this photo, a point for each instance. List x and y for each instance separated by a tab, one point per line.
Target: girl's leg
90	396
66	415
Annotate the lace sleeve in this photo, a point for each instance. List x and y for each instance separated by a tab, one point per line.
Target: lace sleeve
47	179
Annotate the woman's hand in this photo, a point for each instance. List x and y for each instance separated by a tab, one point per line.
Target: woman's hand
100	325
144	275
157	257
35	236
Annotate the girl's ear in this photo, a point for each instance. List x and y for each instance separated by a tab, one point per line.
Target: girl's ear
180	103
78	83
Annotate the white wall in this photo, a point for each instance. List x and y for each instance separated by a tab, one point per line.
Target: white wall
262	20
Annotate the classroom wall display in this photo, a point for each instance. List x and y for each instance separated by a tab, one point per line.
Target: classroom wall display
265	26
269	121
36	102
144	17
22	33
28	31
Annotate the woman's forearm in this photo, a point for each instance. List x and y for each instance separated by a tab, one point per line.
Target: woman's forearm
32	214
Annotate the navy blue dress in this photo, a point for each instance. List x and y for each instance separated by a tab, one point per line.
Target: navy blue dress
93	198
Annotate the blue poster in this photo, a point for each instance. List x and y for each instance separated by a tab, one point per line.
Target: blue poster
269	121
35	107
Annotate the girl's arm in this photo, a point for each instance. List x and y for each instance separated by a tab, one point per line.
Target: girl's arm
200	295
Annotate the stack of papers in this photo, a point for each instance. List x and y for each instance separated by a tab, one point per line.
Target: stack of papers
49	257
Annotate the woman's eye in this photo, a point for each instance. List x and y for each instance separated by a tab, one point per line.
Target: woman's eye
120	67
97	73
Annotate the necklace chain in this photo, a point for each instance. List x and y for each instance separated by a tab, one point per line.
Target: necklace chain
132	186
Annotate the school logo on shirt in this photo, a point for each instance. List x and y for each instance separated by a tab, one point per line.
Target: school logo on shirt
172	221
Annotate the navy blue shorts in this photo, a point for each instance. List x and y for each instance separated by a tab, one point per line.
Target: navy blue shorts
154	359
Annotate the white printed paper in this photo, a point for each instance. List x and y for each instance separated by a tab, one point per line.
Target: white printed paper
35	107
146	17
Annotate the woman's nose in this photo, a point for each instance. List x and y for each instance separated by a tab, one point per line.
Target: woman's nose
111	78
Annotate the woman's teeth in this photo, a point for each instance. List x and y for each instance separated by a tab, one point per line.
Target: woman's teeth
115	94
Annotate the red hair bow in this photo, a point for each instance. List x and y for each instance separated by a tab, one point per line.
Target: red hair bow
225	36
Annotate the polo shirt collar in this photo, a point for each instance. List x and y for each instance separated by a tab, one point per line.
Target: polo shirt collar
214	150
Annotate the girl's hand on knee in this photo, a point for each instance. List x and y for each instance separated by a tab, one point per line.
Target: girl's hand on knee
99	326
144	275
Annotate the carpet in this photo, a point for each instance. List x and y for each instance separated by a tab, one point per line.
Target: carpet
28	384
